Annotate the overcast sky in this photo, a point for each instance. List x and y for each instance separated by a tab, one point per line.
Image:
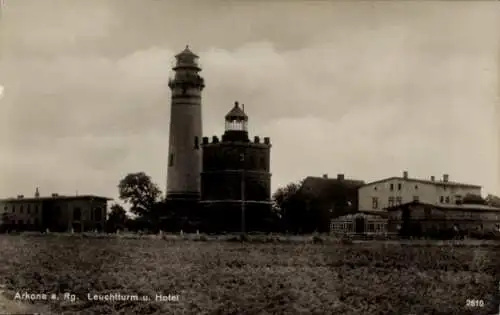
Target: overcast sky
367	89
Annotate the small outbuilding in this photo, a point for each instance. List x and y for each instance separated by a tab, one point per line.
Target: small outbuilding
359	223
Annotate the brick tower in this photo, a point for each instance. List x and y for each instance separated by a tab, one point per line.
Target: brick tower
236	178
184	153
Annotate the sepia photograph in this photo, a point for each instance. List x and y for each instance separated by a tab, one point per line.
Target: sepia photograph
249	157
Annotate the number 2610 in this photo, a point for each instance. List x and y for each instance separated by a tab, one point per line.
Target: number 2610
474	303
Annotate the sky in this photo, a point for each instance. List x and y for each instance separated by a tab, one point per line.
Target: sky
367	89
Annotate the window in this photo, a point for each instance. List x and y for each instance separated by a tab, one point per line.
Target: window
370	227
375	188
415	198
28	209
392	187
399	200
458	198
447	200
36	208
97	214
5	208
171	159
21	209
441	199
391	201
416	187
399	186
375	203
77	214
196	143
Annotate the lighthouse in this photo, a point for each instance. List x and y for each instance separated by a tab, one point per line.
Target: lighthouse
184	151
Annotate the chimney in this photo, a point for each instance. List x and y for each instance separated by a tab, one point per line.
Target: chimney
243	107
37	193
445	178
20	196
405	174
340	176
54	195
433	178
325	175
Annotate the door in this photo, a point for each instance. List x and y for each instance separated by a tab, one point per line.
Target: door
360	225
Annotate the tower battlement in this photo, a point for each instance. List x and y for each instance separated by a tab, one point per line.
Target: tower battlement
257	141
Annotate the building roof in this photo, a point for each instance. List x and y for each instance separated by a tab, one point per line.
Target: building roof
321	186
380	213
186	52
425	181
473	207
236	113
351	216
57	197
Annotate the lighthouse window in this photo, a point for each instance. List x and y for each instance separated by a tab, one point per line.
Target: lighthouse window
196	143
171	159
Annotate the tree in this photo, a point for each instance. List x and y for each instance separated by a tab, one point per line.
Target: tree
138	190
288	205
117	218
493	200
283	196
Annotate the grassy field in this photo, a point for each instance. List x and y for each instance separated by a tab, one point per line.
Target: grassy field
245	278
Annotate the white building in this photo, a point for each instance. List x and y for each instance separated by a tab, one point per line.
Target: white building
380	194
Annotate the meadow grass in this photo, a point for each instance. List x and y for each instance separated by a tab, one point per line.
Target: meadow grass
275	277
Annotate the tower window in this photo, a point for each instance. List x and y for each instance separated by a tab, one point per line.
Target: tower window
392	187
171	159
399	186
196	143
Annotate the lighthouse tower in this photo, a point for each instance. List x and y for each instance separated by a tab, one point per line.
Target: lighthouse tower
184	152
